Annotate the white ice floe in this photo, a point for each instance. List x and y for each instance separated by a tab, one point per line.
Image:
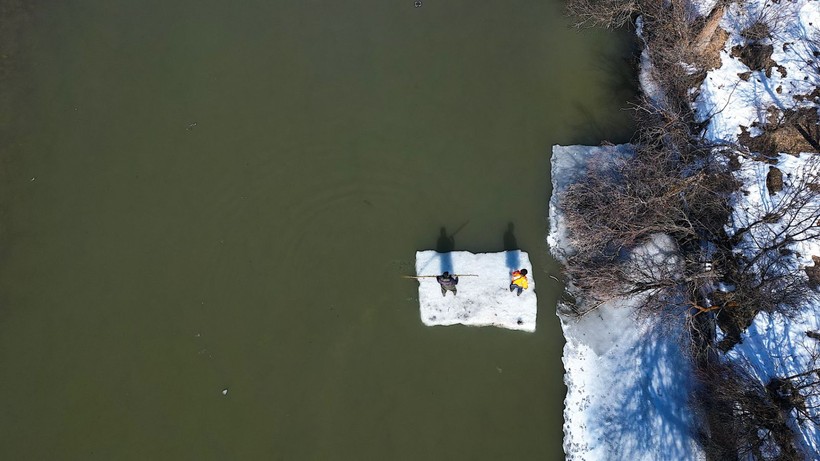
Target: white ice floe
484	300
627	380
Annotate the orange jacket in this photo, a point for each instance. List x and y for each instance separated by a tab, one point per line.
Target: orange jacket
519	280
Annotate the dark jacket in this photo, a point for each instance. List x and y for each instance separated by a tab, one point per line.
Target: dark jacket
447	282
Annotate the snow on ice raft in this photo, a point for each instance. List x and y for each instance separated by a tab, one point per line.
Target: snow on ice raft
484	300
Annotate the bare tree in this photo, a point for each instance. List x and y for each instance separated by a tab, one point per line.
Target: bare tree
620	204
759	257
741	418
602	13
677	185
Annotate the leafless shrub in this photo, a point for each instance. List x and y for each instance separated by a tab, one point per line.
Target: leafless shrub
678	186
677	41
805	122
602	13
621	203
799	393
672	32
757	31
673	185
757	261
765	238
742	417
767	20
791	131
755	417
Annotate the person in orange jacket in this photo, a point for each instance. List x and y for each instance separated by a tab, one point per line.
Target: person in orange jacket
519	281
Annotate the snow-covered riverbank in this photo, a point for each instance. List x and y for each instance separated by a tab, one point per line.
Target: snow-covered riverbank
629	382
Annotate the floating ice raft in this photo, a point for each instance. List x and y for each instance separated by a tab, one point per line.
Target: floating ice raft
485	300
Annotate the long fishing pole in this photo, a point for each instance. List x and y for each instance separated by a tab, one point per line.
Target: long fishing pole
430	276
459	228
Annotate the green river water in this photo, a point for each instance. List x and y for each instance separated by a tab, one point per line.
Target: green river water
208	195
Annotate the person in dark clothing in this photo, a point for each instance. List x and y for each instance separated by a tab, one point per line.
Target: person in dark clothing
448	283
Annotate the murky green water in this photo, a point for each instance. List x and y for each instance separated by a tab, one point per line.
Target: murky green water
147	263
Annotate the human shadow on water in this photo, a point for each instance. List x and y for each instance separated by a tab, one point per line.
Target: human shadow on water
444	245
513	254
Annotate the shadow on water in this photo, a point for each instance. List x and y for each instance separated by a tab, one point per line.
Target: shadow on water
444	245
592	126
511	247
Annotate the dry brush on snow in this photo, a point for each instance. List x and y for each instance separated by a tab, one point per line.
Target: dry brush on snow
733	257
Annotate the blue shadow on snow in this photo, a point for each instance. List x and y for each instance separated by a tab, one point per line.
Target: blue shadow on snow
513	254
444	245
